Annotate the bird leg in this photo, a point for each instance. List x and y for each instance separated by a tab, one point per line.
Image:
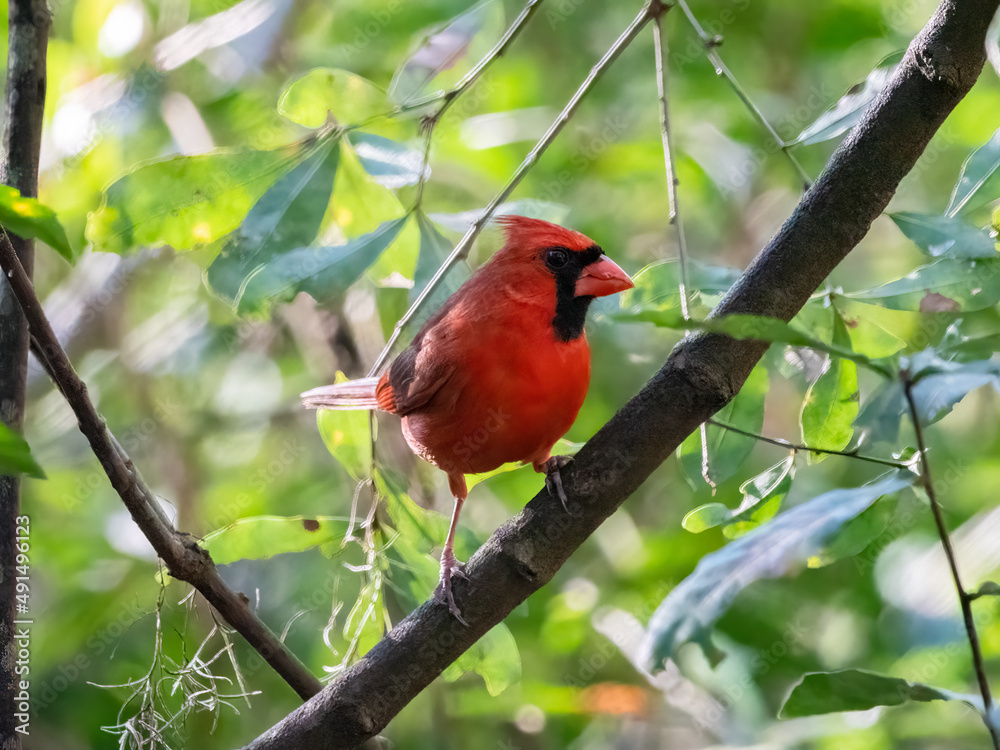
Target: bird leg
450	566
553	480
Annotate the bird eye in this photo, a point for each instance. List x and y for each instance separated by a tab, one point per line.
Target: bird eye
556	258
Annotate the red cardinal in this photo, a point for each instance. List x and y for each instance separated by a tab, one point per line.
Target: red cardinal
499	373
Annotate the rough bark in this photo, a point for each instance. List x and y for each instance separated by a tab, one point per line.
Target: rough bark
702	374
22	136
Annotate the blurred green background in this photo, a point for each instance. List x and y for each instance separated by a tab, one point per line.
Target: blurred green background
205	401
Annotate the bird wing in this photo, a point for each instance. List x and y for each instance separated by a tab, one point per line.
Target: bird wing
414	378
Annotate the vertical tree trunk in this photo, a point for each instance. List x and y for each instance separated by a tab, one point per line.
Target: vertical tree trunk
22	135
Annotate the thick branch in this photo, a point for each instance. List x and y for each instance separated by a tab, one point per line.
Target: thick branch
185	560
28	34
701	375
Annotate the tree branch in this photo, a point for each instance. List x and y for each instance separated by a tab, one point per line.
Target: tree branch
28	34
185	560
702	374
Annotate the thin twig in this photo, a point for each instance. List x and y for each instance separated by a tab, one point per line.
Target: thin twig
449	97
711	42
673	211
799	447
462	248
184	558
964	599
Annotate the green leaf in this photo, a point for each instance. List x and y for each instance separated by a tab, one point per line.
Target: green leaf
859	690
361	205
15	455
434	250
979	181
857	534
940	384
945	236
848	110
347	436
947	284
986	588
762	328
30	219
726	450
261	537
877	331
762	497
323	272
391	163
442	50
494	657
185	201
351	98
420	527
776	549
879	419
287	217
831	403
657	286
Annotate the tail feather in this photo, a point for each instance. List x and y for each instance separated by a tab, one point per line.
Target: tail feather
354	394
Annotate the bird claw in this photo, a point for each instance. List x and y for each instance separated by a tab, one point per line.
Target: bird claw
553	480
450	567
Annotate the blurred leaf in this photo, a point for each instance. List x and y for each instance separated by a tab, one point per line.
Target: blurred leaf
993	44
775	549
287	217
494	657
945	236
856	534
986	588
980	176
442	50
879	419
831	403
261	537
969	284
657	286
390	163
185	201
351	98
361	205
762	497
28	218
434	250
939	384
530	207
347	436
414	574
727	450
974	336
15	455
859	690
848	110
418	526
322	272
753	327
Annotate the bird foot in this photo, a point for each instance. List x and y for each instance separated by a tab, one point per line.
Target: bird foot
553	480
450	567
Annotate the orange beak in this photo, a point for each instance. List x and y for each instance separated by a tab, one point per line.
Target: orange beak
601	279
